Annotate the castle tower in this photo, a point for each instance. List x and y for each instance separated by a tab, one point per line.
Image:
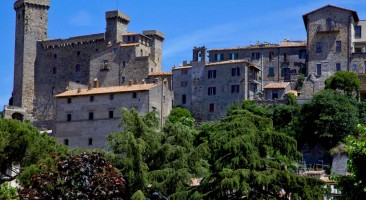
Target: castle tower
31	26
157	38
116	26
199	54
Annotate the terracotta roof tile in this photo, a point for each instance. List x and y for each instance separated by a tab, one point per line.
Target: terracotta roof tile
226	62
107	90
182	67
265	45
159	73
281	85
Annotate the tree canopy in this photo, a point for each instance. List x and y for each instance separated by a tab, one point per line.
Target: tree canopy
353	186
83	176
22	145
345	81
249	160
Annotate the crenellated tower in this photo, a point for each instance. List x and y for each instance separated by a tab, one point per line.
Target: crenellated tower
116	26
31	26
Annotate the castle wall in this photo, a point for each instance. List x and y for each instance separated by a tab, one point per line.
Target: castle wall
182	85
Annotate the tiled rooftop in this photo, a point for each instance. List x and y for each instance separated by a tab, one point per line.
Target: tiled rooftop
107	90
281	85
159	73
265	45
227	62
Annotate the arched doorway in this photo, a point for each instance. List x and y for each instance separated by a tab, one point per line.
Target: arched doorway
17	116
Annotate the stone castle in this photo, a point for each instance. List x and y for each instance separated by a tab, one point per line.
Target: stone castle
76	86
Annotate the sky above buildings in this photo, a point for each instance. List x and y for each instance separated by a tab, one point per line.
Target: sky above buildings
185	23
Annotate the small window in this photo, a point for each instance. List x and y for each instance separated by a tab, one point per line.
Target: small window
134	95
256	56
212	107
319	69
285	59
274	94
54	56
219	57
358	32
319	47
234	89
111	96
78	53
271	71
184	83
302	54
184	71
66	142
123	63
68	100
54	70
271	55
91	98
91	116
338	46
111	114
96	50
68	117
211	74
184	99
338	67
235	71
123	79
211	91
115	50
90	141
329	24
233	56
128	38
77	68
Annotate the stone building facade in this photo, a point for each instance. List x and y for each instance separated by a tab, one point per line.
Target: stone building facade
208	88
44	67
86	116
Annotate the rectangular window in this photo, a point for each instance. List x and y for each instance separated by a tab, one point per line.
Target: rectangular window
319	48
111	96
338	46
184	83
319	69
105	62
123	79
77	68
219	57
338	66
212	107
274	94
68	117
54	56
91	98
68	100
184	99
211	74
329	24
302	54
111	114
235	71
270	71
91	116
123	63
66	142
358	32
90	141
255	56
271	55
184	71
211	91
285	57
234	89
78	53
54	70
134	95
233	56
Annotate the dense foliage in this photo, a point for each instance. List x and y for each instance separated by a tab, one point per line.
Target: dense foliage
345	81
249	160
83	176
22	145
7	192
353	186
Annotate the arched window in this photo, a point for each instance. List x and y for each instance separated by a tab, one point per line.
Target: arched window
17	116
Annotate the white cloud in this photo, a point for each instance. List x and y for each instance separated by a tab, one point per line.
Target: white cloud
82	18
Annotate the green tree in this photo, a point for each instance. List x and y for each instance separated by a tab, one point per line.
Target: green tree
154	160
22	145
343	80
83	176
251	161
353	186
7	192
181	115
327	119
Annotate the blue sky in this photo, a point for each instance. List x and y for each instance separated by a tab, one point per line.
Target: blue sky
186	23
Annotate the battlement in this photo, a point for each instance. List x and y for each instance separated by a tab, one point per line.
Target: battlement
73	41
157	33
43	3
119	15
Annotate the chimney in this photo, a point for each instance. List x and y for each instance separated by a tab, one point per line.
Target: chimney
79	90
130	82
96	83
89	86
143	81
